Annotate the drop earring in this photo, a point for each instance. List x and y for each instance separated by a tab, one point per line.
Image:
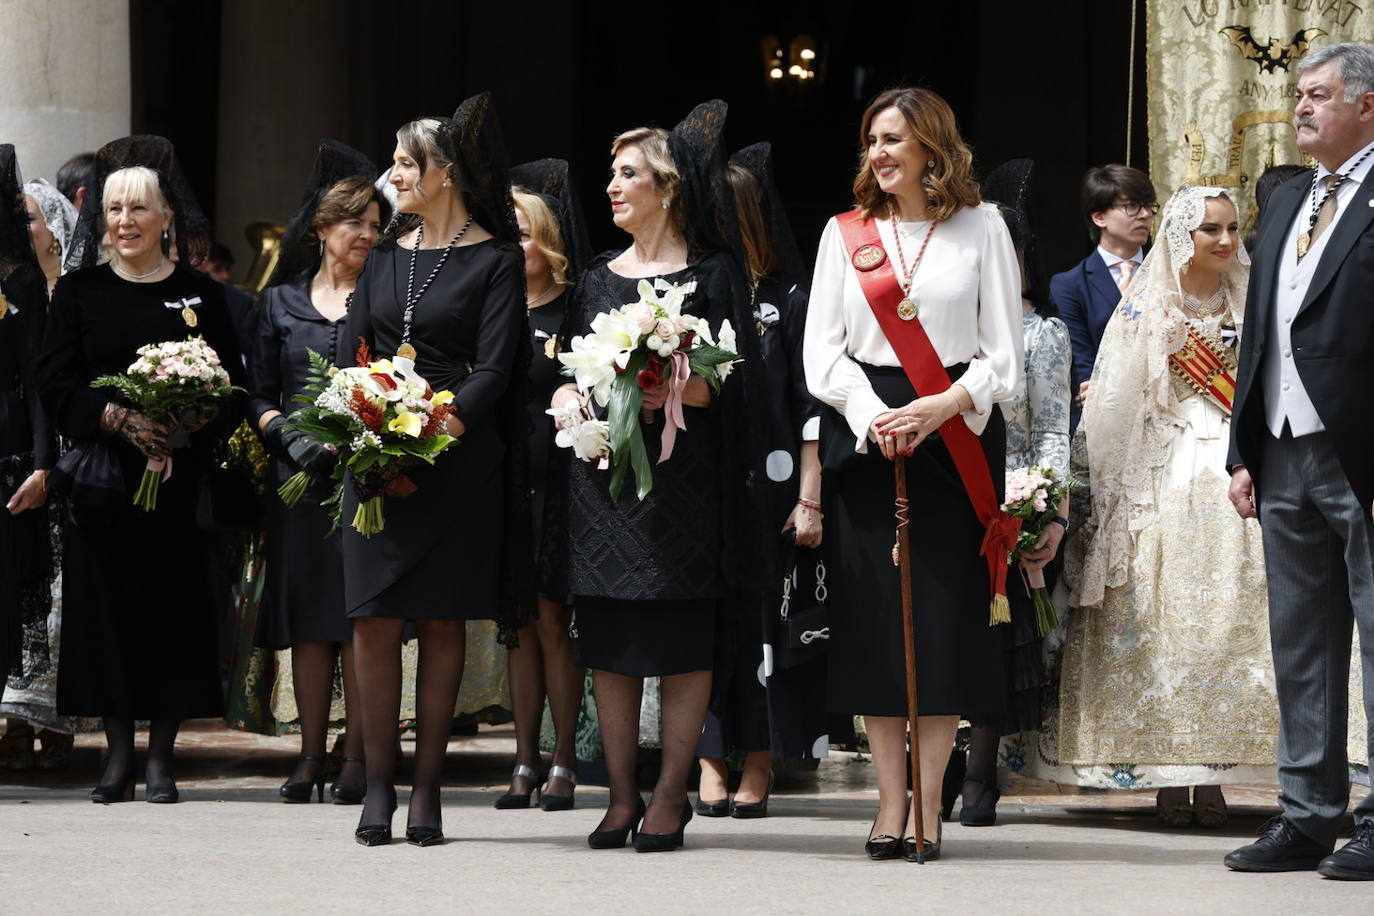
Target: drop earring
665	203
321	247
54	247
166	236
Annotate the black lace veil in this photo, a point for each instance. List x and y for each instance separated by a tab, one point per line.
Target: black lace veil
757	159
334	162
191	228
1009	186
548	178
483	167
16	246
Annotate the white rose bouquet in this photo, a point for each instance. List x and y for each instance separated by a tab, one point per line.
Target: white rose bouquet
176	382
632	349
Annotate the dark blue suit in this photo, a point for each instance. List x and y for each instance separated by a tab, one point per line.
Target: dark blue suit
1086	295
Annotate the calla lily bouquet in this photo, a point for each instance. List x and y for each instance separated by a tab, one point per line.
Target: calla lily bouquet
379	416
1033	494
633	349
175	382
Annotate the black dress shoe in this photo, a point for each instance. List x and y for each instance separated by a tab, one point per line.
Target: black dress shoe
759	808
344	794
615	837
104	794
165	794
1355	860
298	793
424	836
1282	847
713	808
883	846
664	842
980	805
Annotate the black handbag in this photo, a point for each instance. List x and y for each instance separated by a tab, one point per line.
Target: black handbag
801	635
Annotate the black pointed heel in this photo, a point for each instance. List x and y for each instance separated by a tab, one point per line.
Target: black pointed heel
108	794
296	793
344	794
423	836
664	842
615	838
759	808
513	800
713	808
376	834
882	846
558	802
165	794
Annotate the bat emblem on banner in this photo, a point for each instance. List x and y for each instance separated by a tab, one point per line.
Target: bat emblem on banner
1272	55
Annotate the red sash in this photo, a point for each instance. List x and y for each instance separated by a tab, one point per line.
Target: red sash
927	375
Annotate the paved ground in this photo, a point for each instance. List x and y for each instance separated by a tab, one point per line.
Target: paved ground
231	847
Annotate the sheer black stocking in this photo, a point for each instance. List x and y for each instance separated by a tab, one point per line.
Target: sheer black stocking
440	672
119	741
982	762
162	735
685	697
377	664
544	663
617	709
351	773
312	675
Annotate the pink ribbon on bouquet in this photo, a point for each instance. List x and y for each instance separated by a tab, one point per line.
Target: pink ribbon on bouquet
160	465
680	370
1034	578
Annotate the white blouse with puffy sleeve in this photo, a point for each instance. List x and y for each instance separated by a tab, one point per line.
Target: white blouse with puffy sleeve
967	291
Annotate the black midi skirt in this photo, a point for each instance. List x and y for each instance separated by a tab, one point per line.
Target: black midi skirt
959	658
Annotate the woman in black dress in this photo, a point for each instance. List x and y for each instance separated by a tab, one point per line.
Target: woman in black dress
767	711
139	614
328	242
446	283
951	262
648	577
542	661
27	448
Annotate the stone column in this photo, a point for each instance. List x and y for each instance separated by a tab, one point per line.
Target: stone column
64	78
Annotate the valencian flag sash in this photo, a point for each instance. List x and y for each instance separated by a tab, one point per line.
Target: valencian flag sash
927	375
1208	366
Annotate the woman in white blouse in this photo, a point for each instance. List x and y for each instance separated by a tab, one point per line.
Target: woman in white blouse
954	262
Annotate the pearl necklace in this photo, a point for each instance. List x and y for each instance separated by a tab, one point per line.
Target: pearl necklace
128	276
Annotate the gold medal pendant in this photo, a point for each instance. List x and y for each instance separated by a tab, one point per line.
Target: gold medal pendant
906	309
405	351
1304	243
188	315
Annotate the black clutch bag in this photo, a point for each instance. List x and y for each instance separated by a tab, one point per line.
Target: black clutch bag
801	634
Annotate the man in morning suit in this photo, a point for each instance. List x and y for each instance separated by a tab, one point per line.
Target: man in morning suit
1118	204
1302	457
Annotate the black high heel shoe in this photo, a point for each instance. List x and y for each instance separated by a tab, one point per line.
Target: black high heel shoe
981	810
615	837
344	794
376	834
163	794
931	851
713	808
521	799
882	846
109	793
759	808
558	802
296	793
664	842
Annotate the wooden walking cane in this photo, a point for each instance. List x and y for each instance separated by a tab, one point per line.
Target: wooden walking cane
901	558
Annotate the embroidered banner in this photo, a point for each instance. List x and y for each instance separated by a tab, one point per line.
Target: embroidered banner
1221	75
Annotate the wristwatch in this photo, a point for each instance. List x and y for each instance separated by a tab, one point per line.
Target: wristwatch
1061	521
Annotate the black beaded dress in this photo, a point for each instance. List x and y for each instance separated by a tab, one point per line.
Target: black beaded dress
441	555
304	600
648	576
139	612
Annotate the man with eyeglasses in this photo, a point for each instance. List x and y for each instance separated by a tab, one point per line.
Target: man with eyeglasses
1118	204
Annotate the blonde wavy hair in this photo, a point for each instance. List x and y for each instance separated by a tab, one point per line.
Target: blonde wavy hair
544	232
952	186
